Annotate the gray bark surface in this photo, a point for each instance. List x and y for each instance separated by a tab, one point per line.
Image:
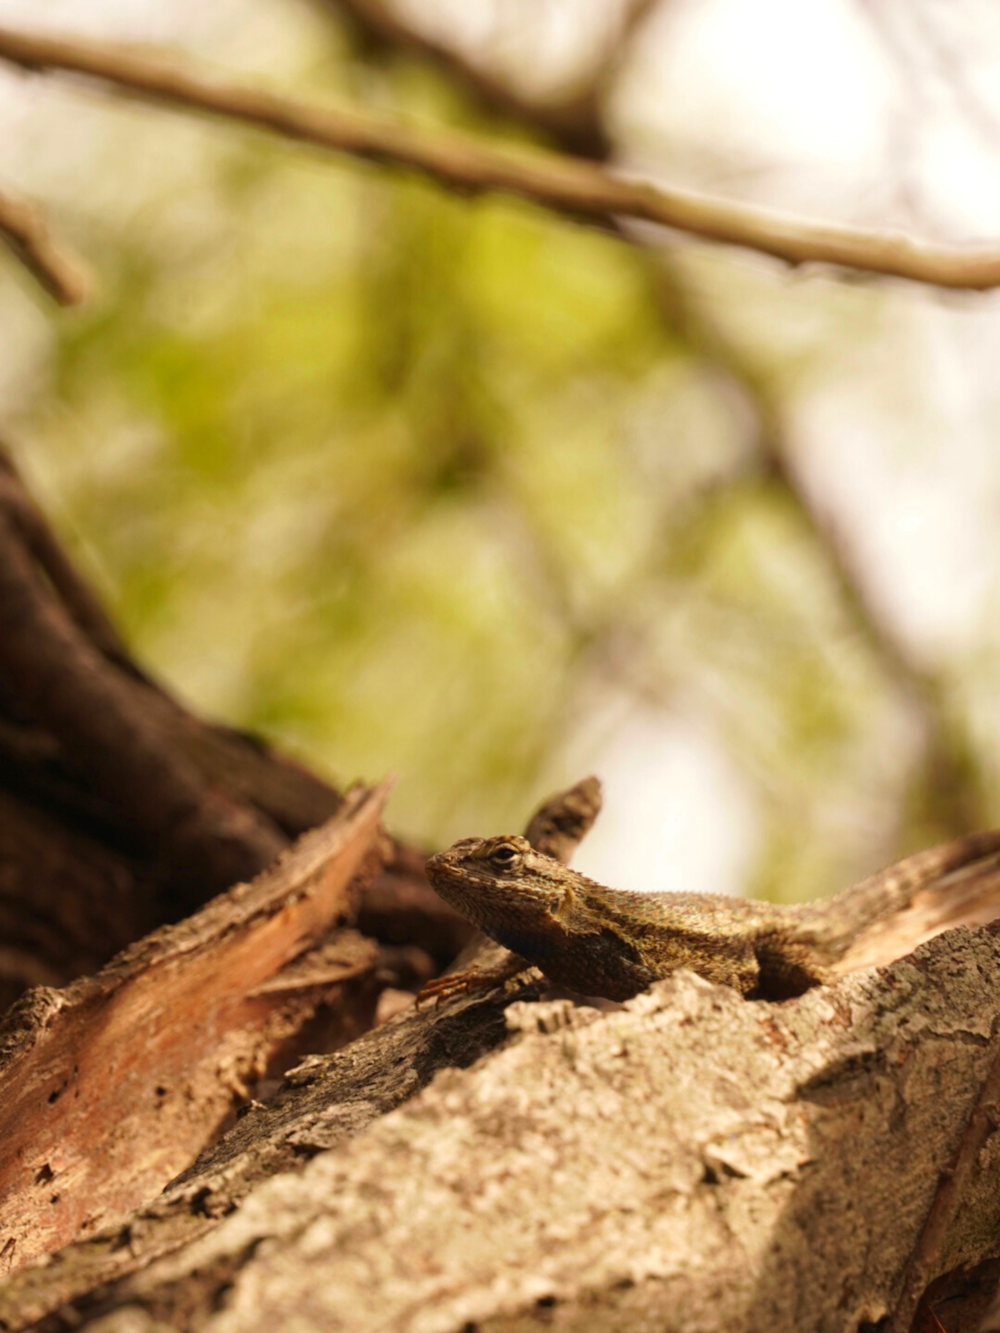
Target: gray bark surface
689	1162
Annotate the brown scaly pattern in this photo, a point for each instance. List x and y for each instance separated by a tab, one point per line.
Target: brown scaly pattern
611	943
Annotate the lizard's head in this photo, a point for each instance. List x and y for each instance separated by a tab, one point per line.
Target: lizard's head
499	883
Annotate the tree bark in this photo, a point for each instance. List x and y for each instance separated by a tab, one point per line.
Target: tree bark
690	1161
111	1086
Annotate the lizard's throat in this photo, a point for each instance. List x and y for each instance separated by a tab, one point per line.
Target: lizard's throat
457	891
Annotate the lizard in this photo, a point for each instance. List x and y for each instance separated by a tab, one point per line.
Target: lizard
614	943
556	829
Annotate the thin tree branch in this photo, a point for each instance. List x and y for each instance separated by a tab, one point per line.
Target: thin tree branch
56	269
568	185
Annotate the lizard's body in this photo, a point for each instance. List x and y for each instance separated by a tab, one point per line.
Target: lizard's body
609	942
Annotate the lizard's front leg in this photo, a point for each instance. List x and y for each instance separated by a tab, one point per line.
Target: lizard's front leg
497	967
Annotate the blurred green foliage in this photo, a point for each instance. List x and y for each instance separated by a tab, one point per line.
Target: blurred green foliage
406	483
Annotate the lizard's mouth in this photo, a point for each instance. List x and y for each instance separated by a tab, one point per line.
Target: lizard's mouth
448	878
459	888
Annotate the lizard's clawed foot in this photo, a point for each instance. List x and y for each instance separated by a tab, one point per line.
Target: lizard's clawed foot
497	967
451	984
491	966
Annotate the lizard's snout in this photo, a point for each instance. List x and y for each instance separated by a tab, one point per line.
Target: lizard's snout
436	865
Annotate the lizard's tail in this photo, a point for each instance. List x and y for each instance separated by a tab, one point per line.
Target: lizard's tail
886	916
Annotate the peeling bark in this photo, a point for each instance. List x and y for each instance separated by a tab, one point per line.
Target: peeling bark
111	1086
689	1162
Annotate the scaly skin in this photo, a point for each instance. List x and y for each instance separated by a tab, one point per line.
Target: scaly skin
611	943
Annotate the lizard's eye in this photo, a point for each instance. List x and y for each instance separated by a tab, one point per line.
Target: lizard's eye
504	856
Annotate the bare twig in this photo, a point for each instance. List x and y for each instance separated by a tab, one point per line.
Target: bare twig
566	184
59	272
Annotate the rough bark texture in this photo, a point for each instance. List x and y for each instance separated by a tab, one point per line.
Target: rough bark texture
111	1086
690	1162
49	934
